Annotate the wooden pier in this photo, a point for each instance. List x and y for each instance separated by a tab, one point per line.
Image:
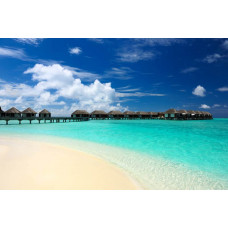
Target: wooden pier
45	120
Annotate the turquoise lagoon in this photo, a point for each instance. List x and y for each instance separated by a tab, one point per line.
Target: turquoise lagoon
158	154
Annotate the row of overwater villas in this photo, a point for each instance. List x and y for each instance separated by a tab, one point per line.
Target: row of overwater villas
171	114
27	113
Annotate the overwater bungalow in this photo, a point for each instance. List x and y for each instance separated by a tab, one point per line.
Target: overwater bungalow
115	115
98	114
150	114
44	114
29	113
201	115
130	115
143	115
2	113
197	115
161	115
80	113
208	115
13	113
171	114
182	114
191	115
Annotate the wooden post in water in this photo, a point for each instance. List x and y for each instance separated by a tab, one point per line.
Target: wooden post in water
7	122
19	121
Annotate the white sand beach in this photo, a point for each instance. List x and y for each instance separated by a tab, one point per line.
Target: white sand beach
27	164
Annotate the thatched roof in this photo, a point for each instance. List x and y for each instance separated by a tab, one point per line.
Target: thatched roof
80	112
29	111
1	111
45	111
98	112
129	113
152	113
13	111
197	112
171	111
115	113
191	112
182	111
142	113
208	113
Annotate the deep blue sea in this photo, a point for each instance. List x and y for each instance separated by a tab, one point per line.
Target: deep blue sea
199	146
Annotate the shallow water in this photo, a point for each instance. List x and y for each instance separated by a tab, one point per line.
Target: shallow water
199	147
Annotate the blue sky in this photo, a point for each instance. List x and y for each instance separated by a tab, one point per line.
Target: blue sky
63	75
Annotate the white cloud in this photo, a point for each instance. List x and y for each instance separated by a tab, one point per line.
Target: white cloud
121	73
212	58
189	70
56	84
216	105
75	50
135	55
199	91
225	44
139	94
12	53
30	41
158	41
223	89
204	106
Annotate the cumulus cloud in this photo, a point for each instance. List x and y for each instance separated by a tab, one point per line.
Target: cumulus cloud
30	41
189	70
223	89
56	84
75	50
212	58
204	106
199	91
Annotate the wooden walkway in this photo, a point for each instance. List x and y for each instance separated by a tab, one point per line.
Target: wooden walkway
45	120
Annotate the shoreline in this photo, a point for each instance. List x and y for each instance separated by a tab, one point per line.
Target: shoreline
27	164
146	172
